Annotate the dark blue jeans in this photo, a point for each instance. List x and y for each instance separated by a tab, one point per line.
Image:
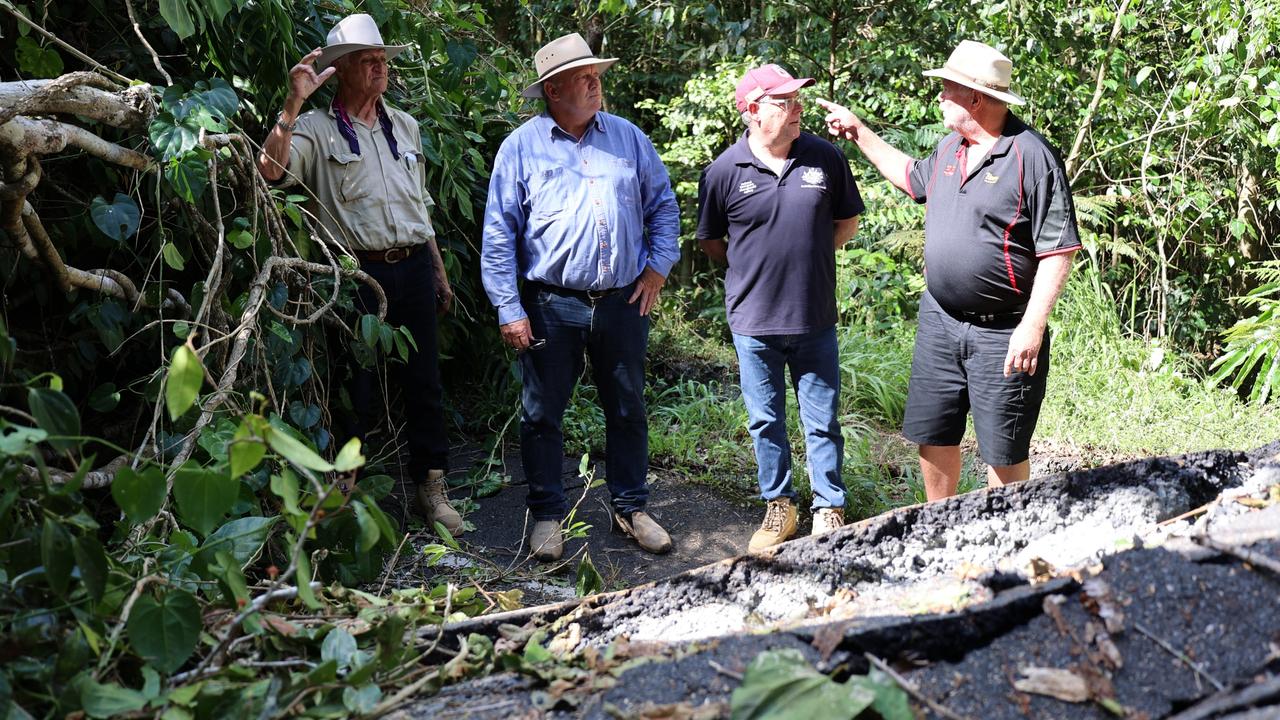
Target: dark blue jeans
411	301
615	336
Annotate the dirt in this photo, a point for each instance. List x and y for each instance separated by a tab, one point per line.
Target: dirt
946	590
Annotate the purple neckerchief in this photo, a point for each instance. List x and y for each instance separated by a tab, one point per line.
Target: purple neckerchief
346	130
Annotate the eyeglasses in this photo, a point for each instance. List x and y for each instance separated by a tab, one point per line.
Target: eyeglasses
787	104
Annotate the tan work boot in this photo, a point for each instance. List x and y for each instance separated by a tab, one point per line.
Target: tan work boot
827	519
779	524
645	530
435	507
546	541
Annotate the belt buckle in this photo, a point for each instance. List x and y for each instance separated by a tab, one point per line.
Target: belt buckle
594	295
986	318
395	255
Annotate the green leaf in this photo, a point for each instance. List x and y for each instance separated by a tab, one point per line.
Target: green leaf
240	538
229	572
385	526
139	495
285	486
188	175
376	487
363	700
110	700
186	375
175	13
588	581
55	554
303	573
172	256
92	560
244	455
18	440
296	452
57	415
369	532
339	647
118	220
349	457
164	631
170	137
781	684
534	652
37	61
104	398
203	496
240	239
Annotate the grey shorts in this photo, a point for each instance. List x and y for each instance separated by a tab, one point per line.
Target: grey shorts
958	369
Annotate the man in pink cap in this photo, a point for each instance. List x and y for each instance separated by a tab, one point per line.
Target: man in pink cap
999	236
775	206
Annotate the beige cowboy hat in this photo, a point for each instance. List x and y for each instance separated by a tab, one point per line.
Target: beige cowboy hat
981	67
564	53
354	33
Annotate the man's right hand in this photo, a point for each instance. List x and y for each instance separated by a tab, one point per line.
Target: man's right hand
517	334
841	122
303	79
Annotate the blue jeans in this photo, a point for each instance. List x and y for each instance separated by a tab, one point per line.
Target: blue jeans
615	336
814	360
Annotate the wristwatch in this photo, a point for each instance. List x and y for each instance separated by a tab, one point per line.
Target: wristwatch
286	126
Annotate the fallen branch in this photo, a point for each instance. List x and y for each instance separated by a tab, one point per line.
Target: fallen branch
1267	690
1256	559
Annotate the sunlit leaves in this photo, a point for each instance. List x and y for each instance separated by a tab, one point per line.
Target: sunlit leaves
782	684
186	375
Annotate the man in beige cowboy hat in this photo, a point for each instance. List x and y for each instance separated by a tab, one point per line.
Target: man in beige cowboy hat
362	163
1000	233
581	229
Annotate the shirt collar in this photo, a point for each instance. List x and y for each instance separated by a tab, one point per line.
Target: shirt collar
550	127
1012	128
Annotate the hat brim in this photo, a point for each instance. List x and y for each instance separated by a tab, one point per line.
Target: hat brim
535	90
955	77
787	87
333	52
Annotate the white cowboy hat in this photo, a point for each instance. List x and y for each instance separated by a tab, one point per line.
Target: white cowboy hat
352	34
981	67
564	53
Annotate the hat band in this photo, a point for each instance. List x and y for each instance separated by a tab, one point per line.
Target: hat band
989	84
551	70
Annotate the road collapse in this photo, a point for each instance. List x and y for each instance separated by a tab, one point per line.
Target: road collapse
1148	589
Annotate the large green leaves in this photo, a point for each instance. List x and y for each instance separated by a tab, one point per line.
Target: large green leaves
109	700
240	538
55	553
139	494
164	630
781	684
186	375
92	561
118	219
176	13
204	496
57	415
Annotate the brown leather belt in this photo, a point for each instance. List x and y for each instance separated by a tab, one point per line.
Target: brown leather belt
389	256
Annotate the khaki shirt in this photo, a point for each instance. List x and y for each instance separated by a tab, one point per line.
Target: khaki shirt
369	201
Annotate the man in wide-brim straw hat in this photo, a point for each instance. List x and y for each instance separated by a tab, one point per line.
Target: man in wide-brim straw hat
361	162
1000	234
581	229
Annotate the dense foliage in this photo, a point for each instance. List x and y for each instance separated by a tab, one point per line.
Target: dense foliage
172	464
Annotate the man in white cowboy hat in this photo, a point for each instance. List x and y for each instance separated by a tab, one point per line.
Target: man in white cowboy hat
361	162
775	207
580	232
1000	234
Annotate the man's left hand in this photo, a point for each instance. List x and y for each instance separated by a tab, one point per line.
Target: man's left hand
1024	349
648	287
444	296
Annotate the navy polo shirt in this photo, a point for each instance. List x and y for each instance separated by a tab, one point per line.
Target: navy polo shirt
987	226
781	231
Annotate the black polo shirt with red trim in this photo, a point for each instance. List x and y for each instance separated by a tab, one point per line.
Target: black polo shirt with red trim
781	231
987	226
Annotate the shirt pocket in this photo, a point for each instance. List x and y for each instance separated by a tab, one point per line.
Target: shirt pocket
626	181
548	193
352	183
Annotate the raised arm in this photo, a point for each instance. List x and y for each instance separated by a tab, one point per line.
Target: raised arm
890	161
303	81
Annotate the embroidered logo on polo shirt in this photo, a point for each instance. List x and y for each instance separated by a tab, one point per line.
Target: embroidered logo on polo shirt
814	178
991	179
747	187
949	170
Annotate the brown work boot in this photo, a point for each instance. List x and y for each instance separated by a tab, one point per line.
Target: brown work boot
827	519
546	542
645	530
434	506
779	524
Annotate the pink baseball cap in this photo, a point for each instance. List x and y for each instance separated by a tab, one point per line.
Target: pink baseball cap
767	80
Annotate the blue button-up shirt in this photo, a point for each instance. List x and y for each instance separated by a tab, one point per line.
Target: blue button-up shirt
585	214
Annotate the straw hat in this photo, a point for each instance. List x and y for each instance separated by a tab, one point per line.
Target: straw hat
564	53
981	67
353	34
